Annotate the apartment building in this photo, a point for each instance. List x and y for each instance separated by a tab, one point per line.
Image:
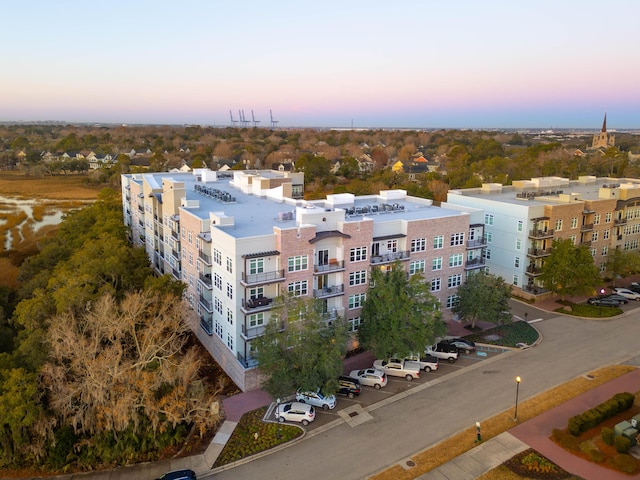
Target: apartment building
522	220
239	240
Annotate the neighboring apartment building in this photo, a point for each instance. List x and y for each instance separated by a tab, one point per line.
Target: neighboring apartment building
522	220
239	240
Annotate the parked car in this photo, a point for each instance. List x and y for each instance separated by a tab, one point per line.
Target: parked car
627	293
295	412
461	344
370	377
427	362
443	351
603	302
179	475
619	298
317	399
634	287
399	368
349	387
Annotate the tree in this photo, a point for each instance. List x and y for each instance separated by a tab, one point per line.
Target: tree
484	297
569	270
622	263
399	315
299	349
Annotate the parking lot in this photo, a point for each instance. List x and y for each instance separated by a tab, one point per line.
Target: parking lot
395	385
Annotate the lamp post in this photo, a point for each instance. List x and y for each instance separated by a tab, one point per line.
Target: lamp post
515	415
278	419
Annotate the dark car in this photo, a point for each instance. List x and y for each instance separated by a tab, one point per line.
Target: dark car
463	345
603	302
179	475
634	287
349	387
618	298
446	347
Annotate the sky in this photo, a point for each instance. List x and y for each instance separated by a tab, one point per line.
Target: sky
349	63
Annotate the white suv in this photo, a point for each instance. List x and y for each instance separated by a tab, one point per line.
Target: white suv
317	399
295	412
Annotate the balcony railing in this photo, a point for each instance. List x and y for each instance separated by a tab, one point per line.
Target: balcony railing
533	271
247	362
206	279
249	333
206	323
175	235
204	257
620	221
259	303
586	227
539	252
332	314
329	291
263	277
390	257
478	243
206	304
333	265
478	262
541	233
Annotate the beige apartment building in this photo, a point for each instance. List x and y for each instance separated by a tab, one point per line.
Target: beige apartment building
522	220
239	240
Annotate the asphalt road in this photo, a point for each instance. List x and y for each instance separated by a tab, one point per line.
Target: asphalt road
571	347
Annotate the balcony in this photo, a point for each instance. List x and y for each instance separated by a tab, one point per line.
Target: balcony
478	243
176	274
539	252
587	227
474	263
206	304
257	304
204	257
390	257
262	277
140	208
332	266
333	314
327	292
249	333
175	254
175	235
533	271
206	322
247	362
206	279
541	233
620	221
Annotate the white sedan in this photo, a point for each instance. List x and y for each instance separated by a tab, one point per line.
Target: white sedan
626	293
371	377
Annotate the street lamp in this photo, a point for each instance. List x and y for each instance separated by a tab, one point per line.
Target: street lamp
515	415
278	419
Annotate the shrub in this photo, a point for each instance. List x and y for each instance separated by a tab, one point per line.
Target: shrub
570	442
623	444
607	435
596	455
625	463
593	417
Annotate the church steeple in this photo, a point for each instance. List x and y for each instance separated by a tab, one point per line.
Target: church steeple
604	124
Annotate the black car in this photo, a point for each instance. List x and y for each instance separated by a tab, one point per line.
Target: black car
603	302
463	345
349	387
179	475
634	287
444	346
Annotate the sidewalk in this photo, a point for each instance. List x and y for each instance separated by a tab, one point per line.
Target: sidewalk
535	434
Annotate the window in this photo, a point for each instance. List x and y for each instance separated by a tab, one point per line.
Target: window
516	280
191	258
452	301
607	217
516	262
256	320
605	234
488	237
596	219
229	290
392	246
256	292
518	244
594	236
217	304
358	254
190	240
438	241
229	265
520	226
574	222
356	301
605	250
418	245
573	239
298	288
594	252
455	260
358	278
454	281
229	340
297	263
354	324
488	219
436	263
218	328
603	266
435	285
416	267
256	265
559	224
217	256
487	253
229	316
457	239
217	281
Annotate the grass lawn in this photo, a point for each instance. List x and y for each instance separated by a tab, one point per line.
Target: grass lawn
58	187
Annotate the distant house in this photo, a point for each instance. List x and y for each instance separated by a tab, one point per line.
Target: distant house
365	163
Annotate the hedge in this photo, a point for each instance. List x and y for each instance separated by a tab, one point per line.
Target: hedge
618	403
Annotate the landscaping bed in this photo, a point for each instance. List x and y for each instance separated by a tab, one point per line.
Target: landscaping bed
509	335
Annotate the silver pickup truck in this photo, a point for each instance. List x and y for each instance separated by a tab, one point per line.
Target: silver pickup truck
427	363
399	368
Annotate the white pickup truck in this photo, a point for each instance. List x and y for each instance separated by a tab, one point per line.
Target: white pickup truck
443	351
399	368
